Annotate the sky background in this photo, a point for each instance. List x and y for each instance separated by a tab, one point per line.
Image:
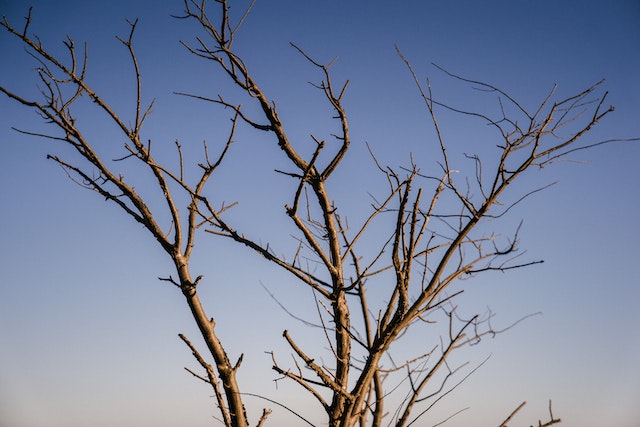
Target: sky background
88	335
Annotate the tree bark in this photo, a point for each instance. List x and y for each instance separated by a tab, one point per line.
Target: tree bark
226	370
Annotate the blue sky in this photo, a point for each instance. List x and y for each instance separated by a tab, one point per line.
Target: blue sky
88	335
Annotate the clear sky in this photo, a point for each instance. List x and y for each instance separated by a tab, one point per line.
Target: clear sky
88	335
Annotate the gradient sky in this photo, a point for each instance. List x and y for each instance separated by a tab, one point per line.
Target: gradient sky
88	335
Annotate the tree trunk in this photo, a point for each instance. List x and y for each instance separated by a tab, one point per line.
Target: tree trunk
226	371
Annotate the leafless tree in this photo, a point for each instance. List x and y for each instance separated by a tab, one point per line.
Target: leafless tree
414	268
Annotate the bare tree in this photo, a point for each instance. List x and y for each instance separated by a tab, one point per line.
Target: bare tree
414	269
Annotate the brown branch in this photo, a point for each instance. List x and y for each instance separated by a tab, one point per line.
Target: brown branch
552	419
263	417
326	379
211	379
280	405
512	414
305	383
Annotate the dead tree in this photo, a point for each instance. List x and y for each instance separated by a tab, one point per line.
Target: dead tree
416	267
63	82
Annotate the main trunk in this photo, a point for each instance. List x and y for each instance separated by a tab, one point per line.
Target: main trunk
339	413
223	365
225	370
